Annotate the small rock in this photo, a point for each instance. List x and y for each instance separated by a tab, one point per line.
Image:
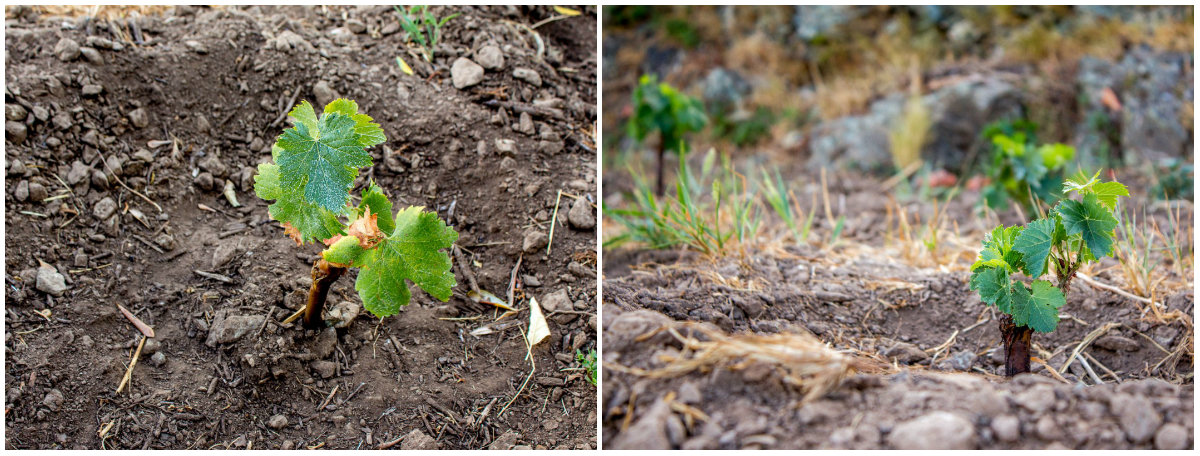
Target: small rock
226	329
324	93
534	240
81	259
277	422
104	209
506	147
556	300
356	26
225	252
22	191
934	431
390	28
582	216
205	181
1048	429
325	344
905	353
53	400
15	132
139	118
196	46
93	56
528	75
490	57
37	192
1036	399
66	50
649	432
1171	437
324	368
92	90
1007	428
13	111
1117	343
959	361
506	441
417	440
525	124
16	168
166	241
465	73
344	313
151	347
99	180
1136	416
531	280
62	120
49	281
158	359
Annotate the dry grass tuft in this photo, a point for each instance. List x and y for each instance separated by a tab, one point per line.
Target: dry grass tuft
804	360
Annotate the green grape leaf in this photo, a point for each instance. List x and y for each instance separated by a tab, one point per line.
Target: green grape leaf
369	134
1107	193
994	287
374	198
412	253
1037	310
303	113
1080	183
323	161
1034	244
1091	221
312	221
344	253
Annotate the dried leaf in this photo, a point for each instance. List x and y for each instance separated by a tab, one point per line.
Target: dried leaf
538	329
366	229
404	66
486	297
292	232
566	11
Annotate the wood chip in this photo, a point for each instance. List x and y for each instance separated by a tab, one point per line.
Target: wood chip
137	322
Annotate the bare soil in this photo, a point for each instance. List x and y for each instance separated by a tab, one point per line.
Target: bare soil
867	298
195	107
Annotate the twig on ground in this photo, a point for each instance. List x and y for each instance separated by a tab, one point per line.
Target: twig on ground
465	268
1102	366
532	369
512	280
1084	343
133	362
391	443
210	275
1091	373
104	160
328	398
553	221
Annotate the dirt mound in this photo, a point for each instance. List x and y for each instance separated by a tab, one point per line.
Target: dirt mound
125	135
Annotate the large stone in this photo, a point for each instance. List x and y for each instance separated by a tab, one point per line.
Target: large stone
934	431
465	73
139	118
1171	437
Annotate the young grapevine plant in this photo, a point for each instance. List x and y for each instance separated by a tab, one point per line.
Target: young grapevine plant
658	106
1073	233
314	166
